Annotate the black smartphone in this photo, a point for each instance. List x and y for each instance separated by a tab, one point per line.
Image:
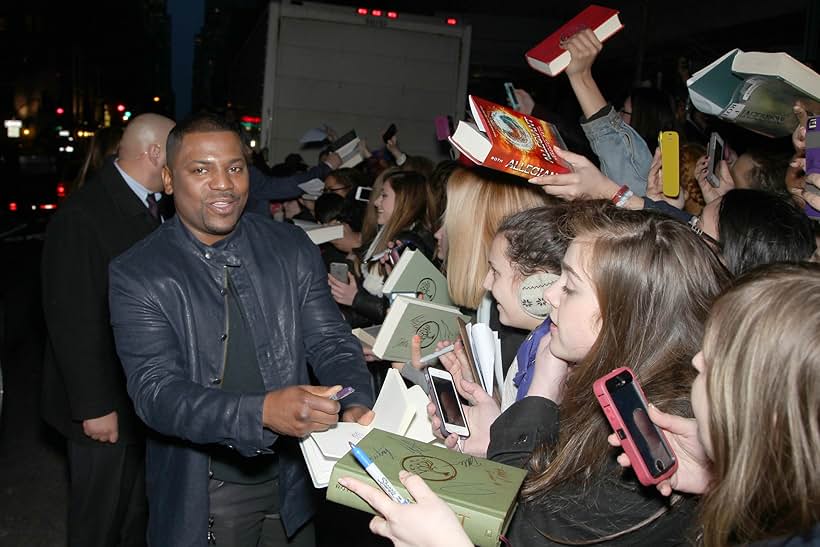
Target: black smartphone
363	193
390	133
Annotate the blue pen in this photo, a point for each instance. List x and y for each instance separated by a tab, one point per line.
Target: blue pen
376	474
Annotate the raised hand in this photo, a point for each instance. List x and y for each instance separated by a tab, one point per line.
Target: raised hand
583	48
584	182
654	184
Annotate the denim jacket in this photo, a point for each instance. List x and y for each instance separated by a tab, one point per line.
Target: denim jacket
625	157
168	312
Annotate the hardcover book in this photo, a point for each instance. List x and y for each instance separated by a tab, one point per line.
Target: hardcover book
347	146
320	233
552	59
415	274
481	492
754	90
509	141
408	317
367	335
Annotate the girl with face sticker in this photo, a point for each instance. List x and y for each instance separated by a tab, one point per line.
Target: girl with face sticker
524	259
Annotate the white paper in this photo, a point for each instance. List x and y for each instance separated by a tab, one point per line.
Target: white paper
313	186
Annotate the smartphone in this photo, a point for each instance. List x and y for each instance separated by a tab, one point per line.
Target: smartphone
394	254
624	405
448	407
509	89
670	150
363	193
390	133
812	149
339	271
715	154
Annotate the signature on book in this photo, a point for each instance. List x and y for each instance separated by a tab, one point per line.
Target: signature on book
429	468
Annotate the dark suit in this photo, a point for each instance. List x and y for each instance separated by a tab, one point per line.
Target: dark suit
83	377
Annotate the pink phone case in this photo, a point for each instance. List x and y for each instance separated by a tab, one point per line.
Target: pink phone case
442	128
618	426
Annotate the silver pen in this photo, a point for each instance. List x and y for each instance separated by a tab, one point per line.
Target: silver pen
436	354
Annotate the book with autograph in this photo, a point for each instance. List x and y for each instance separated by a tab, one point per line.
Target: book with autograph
481	492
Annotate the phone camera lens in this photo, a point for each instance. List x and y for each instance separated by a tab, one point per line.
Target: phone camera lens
659	465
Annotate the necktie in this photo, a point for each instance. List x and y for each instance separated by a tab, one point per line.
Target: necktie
153	206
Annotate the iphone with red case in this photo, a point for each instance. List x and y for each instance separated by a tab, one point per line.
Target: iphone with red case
624	405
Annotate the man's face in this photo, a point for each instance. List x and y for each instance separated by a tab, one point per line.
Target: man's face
209	180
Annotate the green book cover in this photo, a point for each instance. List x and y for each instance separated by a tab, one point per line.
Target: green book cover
408	317
415	274
481	492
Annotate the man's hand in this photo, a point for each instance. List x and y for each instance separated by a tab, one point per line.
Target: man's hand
297	411
104	429
359	414
333	160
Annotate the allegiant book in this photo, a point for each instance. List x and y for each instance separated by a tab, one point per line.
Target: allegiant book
506	140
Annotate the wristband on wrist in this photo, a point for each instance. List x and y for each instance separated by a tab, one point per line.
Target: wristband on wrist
624	199
619	194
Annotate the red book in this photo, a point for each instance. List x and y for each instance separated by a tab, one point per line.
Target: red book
551	59
506	140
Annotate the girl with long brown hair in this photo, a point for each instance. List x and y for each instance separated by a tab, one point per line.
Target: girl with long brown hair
401	210
752	449
635	289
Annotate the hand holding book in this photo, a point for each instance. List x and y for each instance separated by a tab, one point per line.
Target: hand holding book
584	48
429	521
585	182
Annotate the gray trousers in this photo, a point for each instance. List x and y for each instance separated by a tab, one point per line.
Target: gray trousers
247	515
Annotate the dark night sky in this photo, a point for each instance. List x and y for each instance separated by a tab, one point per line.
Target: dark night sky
187	17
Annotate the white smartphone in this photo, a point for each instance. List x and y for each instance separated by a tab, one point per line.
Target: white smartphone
715	154
448	406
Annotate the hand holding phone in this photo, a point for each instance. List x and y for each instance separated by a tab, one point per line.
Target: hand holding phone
339	271
670	166
624	406
446	400
715	155
509	89
390	133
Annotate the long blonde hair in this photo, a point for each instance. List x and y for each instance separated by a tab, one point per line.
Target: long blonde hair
762	354
477	201
655	281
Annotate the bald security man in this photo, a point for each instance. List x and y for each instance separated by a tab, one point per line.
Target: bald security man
84	394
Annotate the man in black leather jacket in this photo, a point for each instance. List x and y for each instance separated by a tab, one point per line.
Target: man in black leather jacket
214	316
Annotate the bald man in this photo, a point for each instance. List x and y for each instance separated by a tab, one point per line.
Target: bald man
84	395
